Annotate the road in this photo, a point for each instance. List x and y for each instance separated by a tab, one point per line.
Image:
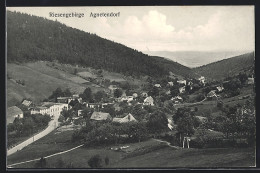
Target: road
10	166
51	126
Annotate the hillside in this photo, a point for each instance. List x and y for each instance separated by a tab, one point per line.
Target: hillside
194	59
227	67
39	82
31	38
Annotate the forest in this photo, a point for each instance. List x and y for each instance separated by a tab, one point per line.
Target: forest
31	38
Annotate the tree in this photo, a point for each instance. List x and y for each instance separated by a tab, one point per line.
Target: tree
157	122
95	161
242	77
87	95
99	96
174	91
153	92
107	160
118	93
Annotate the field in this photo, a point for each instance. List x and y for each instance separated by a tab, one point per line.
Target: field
150	153
168	157
40	80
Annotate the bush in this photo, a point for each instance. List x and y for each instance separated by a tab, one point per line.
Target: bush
95	161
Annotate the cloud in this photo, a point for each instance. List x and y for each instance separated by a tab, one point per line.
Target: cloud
221	28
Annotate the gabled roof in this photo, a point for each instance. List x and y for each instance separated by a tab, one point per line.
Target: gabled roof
27	102
212	93
148	99
99	116
125	119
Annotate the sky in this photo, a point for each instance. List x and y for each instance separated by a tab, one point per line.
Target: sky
164	28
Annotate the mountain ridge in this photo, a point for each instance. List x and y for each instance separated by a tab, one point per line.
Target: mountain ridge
32	38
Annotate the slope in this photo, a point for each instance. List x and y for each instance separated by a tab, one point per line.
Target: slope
227	67
31	38
39	82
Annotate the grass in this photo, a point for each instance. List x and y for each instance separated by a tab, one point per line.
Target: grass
168	157
40	81
148	153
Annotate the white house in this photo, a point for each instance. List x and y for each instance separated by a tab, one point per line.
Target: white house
126	119
135	95
27	102
182	90
112	88
220	88
177	99
144	94
250	81
202	80
170	83
157	85
182	82
50	108
148	101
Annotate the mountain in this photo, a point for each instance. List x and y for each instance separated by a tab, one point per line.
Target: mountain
228	67
32	38
194	59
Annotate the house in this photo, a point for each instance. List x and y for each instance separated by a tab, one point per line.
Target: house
177	99
157	85
202	80
202	119
170	83
170	124
12	113
250	81
182	82
212	93
50	108
168	92
94	105
135	95
64	99
148	101
182	90
126	119
144	94
26	103
112	88
79	112
220	88
100	116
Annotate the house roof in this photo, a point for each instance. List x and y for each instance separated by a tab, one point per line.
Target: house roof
27	102
201	118
100	116
211	93
148	99
125	119
12	112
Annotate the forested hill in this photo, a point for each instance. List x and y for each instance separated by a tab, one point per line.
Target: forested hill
228	67
31	38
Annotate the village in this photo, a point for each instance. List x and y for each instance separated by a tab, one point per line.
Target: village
118	107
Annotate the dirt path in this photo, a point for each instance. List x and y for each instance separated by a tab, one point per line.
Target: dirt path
51	126
59	153
168	143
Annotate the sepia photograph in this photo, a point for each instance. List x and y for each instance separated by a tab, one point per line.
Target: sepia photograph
136	87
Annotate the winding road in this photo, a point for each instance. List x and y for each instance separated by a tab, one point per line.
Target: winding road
53	124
